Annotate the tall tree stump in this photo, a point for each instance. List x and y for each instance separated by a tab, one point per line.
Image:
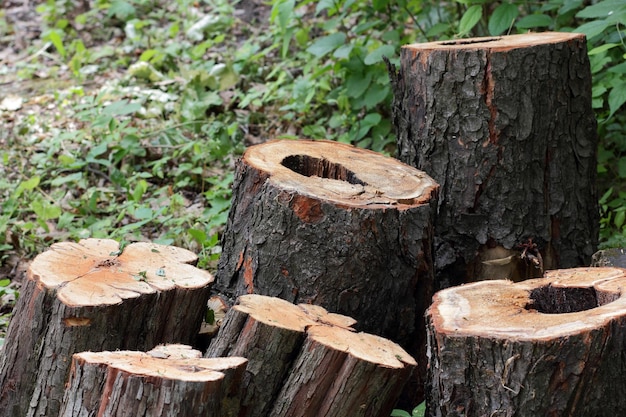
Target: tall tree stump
551	346
94	295
304	361
165	382
329	224
505	126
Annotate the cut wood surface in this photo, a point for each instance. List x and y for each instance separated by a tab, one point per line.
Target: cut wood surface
505	125
542	347
167	381
298	354
94	295
325	223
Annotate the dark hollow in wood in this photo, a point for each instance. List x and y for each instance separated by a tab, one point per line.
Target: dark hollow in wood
505	126
551	346
94	295
310	166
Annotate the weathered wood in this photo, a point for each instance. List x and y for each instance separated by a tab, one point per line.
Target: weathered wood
167	381
340	373
505	126
92	295
551	346
330	224
609	257
304	351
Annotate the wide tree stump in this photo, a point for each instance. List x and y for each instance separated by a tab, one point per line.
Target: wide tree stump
304	361
167	381
551	346
94	295
329	224
505	126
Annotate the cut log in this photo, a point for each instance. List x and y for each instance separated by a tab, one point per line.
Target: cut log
94	295
299	354
344	374
551	346
167	381
505	126
329	224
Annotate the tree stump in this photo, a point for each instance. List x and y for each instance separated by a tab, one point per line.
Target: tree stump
304	361
163	382
552	346
505	126
94	295
326	223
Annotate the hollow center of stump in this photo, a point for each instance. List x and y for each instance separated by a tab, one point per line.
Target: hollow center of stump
310	166
558	300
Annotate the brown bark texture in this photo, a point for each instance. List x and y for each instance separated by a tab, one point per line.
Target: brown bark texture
550	346
505	126
94	295
304	361
164	382
329	224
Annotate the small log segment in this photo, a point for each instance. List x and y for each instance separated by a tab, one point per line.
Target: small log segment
169	381
551	346
304	361
95	296
326	223
505	126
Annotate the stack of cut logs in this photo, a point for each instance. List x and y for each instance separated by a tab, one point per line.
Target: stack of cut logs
332	256
89	311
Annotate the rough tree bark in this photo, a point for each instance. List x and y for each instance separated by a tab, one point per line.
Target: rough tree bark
304	361
551	346
94	295
505	126
330	224
169	381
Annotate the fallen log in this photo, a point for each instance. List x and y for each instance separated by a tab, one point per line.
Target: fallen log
93	296
505	126
304	361
169	381
551	346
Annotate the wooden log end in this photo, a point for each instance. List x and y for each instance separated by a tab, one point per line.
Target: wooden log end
100	272
565	302
338	173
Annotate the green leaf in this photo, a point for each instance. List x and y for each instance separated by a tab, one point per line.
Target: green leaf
343	51
122	10
122	107
400	413
602	48
27	185
620	217
593	28
470	18
328	43
602	9
621	167
502	18
617	98
534	21
45	210
377	54
357	84
56	37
